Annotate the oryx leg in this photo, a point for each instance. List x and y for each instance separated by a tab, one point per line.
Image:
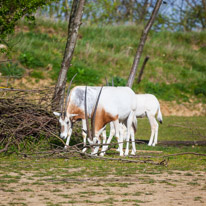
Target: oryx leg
122	132
68	138
154	130
133	141
104	137
111	134
129	125
97	140
84	134
119	138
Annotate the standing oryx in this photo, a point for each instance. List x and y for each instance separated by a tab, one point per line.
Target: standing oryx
147	105
116	104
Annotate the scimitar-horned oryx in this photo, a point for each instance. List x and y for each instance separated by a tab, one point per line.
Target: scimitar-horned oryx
116	104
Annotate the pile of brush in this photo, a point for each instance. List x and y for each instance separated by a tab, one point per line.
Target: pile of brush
27	119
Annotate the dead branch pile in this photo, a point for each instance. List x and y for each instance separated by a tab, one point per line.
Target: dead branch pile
25	114
26	117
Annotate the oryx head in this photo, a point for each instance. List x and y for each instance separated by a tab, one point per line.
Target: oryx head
65	119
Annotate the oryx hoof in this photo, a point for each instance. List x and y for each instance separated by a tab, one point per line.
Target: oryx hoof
66	147
102	154
126	153
84	150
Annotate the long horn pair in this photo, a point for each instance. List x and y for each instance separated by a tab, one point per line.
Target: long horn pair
67	97
93	116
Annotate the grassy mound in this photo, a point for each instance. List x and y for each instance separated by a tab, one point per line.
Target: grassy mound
176	69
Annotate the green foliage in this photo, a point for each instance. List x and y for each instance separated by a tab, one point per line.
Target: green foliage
11	69
13	10
118	81
85	75
29	60
174	72
200	89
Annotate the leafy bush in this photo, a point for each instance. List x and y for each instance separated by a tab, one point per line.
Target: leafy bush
85	75
118	81
11	69
167	92
200	89
28	59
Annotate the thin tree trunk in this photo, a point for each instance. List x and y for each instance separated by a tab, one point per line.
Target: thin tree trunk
142	43
142	69
73	27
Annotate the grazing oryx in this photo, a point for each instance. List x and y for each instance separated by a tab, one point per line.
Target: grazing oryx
116	104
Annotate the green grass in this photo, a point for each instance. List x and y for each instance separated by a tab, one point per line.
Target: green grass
176	69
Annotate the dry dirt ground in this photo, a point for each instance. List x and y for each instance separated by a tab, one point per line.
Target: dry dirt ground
165	189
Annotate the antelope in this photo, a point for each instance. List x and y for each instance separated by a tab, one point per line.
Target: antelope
147	105
116	104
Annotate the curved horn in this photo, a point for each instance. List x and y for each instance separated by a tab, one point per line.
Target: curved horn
68	90
86	117
62	100
94	113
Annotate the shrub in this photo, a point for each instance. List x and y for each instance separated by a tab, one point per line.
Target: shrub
168	92
29	60
200	89
11	69
118	81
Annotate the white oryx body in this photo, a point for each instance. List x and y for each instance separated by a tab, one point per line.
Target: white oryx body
147	105
116	104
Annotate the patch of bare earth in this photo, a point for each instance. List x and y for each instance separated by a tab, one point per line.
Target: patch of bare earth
184	109
178	188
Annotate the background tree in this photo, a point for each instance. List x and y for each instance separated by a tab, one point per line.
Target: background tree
13	10
73	27
142	42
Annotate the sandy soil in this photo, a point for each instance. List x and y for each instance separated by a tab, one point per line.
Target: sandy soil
178	188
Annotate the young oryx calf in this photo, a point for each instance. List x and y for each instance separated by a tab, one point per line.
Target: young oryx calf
115	104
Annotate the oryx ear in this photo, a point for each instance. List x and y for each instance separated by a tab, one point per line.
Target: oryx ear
57	114
73	115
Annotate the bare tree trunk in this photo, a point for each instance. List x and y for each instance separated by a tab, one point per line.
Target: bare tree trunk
142	42
142	69
73	27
